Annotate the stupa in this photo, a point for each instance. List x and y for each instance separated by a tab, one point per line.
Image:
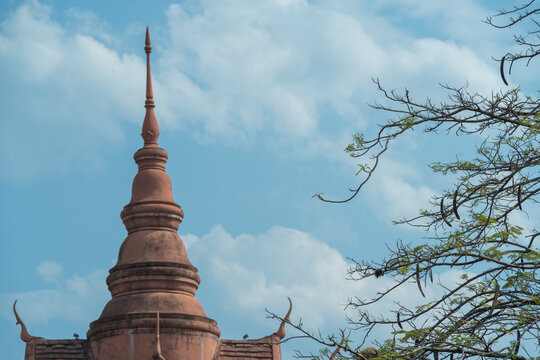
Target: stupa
153	312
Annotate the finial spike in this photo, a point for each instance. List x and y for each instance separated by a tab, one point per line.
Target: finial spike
150	129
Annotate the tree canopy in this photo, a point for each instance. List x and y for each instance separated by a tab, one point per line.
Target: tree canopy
494	310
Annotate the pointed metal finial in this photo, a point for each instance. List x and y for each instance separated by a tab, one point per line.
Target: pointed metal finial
148	50
150	129
147	41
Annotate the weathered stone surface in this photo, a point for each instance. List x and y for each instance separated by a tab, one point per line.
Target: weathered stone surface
69	349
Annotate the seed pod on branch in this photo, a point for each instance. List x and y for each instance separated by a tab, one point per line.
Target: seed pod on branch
418	280
442	213
502	70
519	198
495	297
454	205
532	239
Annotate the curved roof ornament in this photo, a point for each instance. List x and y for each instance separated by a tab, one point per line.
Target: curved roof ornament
25	336
157	349
281	331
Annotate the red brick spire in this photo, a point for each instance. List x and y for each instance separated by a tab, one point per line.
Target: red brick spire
153	272
150	128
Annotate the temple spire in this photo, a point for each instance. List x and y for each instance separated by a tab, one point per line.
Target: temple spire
153	272
150	129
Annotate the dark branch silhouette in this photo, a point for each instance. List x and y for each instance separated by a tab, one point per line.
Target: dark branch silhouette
493	310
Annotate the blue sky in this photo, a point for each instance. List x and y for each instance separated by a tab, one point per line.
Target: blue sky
256	101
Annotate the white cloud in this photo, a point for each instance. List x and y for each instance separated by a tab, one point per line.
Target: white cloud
454	64
67	94
228	73
50	271
261	66
88	23
243	274
526	220
397	190
261	271
401	199
251	273
79	298
78	285
189	240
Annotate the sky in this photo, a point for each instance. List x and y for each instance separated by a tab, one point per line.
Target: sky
256	101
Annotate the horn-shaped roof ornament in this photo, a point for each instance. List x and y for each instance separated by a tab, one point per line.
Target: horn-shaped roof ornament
25	336
281	331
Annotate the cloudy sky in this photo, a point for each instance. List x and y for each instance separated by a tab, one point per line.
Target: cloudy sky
256	101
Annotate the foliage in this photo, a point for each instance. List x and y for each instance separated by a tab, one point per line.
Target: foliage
494	311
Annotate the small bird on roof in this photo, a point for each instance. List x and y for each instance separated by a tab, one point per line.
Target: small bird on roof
246	336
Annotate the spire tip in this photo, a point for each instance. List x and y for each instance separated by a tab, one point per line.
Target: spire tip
147	40
150	130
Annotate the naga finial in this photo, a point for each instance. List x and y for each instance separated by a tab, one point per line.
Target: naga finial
157	349
25	336
281	331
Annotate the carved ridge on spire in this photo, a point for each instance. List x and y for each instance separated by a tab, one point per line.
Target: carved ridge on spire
281	331
25	336
157	349
150	129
